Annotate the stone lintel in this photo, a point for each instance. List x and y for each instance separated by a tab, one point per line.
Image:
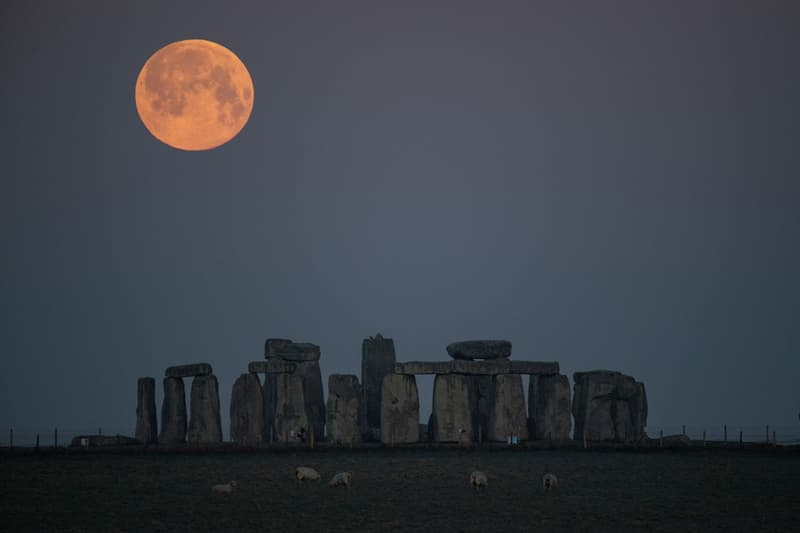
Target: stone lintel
480	368
271	366
187	371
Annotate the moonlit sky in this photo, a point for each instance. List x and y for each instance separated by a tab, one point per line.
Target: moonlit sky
605	184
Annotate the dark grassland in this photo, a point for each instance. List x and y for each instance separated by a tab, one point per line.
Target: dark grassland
403	489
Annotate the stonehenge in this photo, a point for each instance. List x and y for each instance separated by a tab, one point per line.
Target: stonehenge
343	409
204	421
609	406
146	429
478	396
399	422
247	411
377	360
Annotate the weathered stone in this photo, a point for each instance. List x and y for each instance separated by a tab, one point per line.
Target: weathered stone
146	428
507	416
290	407
247	411
188	371
294	351
344	409
173	412
482	368
549	407
315	401
204	420
399	409
483	399
609	406
453	419
271	366
377	360
270	399
488	349
271	346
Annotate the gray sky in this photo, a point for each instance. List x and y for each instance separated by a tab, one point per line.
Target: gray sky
606	184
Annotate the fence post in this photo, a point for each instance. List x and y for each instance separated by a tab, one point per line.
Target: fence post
661	438
99	431
704	438
740	438
767	433
10	438
37	441
55	438
725	430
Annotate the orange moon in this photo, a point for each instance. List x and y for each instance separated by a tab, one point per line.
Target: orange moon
194	95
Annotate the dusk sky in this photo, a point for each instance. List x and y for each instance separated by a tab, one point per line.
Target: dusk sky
606	184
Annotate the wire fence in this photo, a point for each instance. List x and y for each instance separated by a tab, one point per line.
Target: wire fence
780	435
54	437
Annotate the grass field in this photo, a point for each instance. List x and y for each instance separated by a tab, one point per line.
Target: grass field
398	489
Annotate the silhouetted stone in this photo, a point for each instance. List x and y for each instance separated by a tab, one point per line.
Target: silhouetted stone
292	351
204	420
188	371
377	360
271	366
399	409
290	407
269	394
247	411
271	346
344	409
484	349
173	412
483	400
507	416
549	407
453	408
609	406
482	368
315	402
146	428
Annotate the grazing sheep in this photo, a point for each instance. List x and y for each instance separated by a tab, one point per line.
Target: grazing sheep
224	488
549	481
478	480
342	478
304	473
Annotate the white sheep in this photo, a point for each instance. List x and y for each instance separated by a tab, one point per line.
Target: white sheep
342	478
224	488
304	473
549	481
478	480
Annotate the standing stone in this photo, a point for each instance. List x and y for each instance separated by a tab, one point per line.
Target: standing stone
344	409
483	389
549	407
377	360
269	390
314	399
204	421
453	418
247	411
173	412
290	407
609	406
399	421
146	428
507	416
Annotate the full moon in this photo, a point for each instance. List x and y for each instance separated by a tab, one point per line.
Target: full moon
194	95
